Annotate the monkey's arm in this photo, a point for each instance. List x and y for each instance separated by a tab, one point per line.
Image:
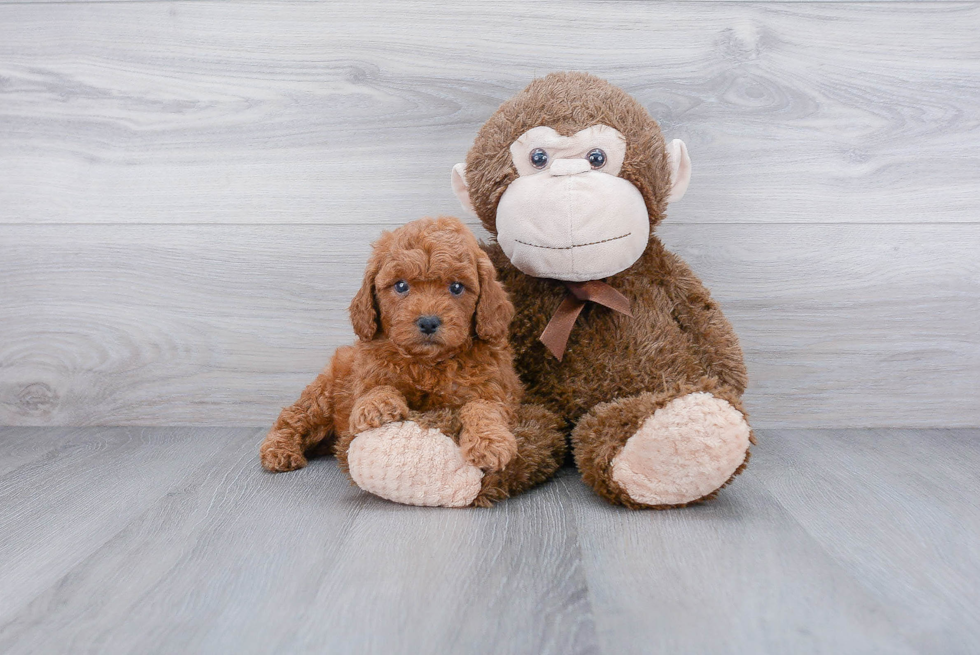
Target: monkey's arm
699	316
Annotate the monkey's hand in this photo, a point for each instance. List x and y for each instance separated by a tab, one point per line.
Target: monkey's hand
378	406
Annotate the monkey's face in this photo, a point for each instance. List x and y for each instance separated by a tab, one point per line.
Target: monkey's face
571	175
569	215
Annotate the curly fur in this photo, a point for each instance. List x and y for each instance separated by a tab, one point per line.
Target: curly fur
677	341
466	365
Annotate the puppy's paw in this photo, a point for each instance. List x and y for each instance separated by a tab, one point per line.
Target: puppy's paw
375	410
491	449
279	457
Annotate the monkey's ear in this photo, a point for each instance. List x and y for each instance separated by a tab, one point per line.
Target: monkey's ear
460	189
680	169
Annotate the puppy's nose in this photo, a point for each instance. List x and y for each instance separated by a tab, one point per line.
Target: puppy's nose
570	166
428	324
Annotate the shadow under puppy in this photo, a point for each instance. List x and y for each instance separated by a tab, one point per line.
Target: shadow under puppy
432	322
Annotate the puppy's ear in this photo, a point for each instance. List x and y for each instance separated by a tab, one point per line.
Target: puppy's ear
494	310
363	309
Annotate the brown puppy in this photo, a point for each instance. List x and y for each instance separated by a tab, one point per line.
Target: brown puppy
432	321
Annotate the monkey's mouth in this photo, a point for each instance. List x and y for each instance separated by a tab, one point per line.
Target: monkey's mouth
577	245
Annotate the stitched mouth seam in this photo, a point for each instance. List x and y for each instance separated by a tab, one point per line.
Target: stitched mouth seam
577	245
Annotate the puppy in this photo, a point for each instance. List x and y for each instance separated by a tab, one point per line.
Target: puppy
432	323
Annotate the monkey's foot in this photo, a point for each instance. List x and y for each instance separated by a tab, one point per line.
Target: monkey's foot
408	464
686	450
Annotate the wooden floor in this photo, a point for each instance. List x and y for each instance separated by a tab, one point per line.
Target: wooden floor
174	540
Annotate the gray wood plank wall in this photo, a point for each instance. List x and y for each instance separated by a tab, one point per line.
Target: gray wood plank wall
188	189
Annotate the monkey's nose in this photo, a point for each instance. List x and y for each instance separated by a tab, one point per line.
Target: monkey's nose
428	324
570	166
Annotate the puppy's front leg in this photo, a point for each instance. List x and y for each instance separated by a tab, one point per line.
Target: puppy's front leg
380	405
486	441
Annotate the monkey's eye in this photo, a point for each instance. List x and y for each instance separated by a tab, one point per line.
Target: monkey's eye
401	287
597	158
539	158
456	288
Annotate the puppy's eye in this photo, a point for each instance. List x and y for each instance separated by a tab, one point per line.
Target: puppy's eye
457	288
539	158
401	286
597	158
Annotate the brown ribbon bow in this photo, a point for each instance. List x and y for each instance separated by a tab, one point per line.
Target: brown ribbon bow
559	328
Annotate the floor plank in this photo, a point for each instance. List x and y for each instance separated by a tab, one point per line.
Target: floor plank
354	112
232	559
228	544
174	540
413	580
734	576
59	510
898	509
19	446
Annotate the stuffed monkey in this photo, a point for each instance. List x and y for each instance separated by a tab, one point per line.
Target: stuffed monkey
612	332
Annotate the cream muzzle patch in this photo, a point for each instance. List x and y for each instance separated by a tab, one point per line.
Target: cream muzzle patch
566	217
569	215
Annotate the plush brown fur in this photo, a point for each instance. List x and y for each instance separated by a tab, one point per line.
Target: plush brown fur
465	368
616	370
